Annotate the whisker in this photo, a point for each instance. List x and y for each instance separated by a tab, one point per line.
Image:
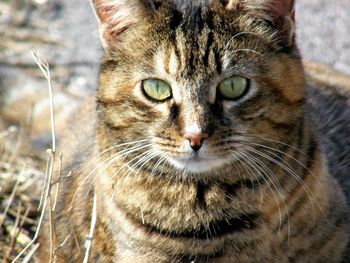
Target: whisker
283	164
111	148
288	155
278	142
157	164
247	50
143	159
247	168
139	160
105	164
291	172
264	175
278	188
114	146
146	161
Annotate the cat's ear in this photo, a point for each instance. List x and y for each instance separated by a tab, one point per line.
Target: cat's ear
116	16
280	12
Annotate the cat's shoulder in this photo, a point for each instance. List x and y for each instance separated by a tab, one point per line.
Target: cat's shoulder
327	80
77	135
328	108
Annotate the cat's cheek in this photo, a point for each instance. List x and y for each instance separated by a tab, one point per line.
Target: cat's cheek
163	109
227	106
176	89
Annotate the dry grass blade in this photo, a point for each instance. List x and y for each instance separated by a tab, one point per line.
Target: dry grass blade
91	233
51	211
45	183
3	216
58	183
45	69
24	217
31	253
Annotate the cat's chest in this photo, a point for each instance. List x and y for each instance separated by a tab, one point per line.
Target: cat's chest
217	225
154	219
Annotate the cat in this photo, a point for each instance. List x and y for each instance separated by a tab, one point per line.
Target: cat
199	145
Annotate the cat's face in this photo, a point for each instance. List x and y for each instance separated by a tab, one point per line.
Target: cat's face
199	83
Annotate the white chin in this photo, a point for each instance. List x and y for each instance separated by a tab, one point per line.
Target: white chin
197	165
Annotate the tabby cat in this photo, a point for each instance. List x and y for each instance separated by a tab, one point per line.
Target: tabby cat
198	148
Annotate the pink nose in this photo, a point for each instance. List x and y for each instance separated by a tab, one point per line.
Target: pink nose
196	139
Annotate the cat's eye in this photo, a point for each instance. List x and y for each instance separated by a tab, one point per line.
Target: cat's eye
156	89
233	88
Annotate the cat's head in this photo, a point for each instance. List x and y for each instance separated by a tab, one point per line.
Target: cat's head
198	80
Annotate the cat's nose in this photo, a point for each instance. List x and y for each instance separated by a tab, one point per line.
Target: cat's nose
196	139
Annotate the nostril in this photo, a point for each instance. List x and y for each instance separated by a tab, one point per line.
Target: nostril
196	139
196	147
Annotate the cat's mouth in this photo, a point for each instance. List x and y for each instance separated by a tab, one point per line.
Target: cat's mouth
196	163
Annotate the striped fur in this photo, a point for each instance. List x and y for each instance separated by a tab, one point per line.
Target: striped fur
260	191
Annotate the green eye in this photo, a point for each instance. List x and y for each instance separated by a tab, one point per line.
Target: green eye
234	88
156	89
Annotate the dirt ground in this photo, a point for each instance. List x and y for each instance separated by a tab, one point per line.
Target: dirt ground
65	33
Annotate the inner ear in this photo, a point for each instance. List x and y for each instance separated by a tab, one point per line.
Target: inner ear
279	12
283	15
281	8
116	16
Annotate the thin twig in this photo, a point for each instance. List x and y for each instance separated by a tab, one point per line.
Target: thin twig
9	202
24	218
45	69
52	234
31	253
63	243
45	181
90	237
58	184
51	216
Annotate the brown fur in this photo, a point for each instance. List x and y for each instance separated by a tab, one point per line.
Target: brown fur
275	202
